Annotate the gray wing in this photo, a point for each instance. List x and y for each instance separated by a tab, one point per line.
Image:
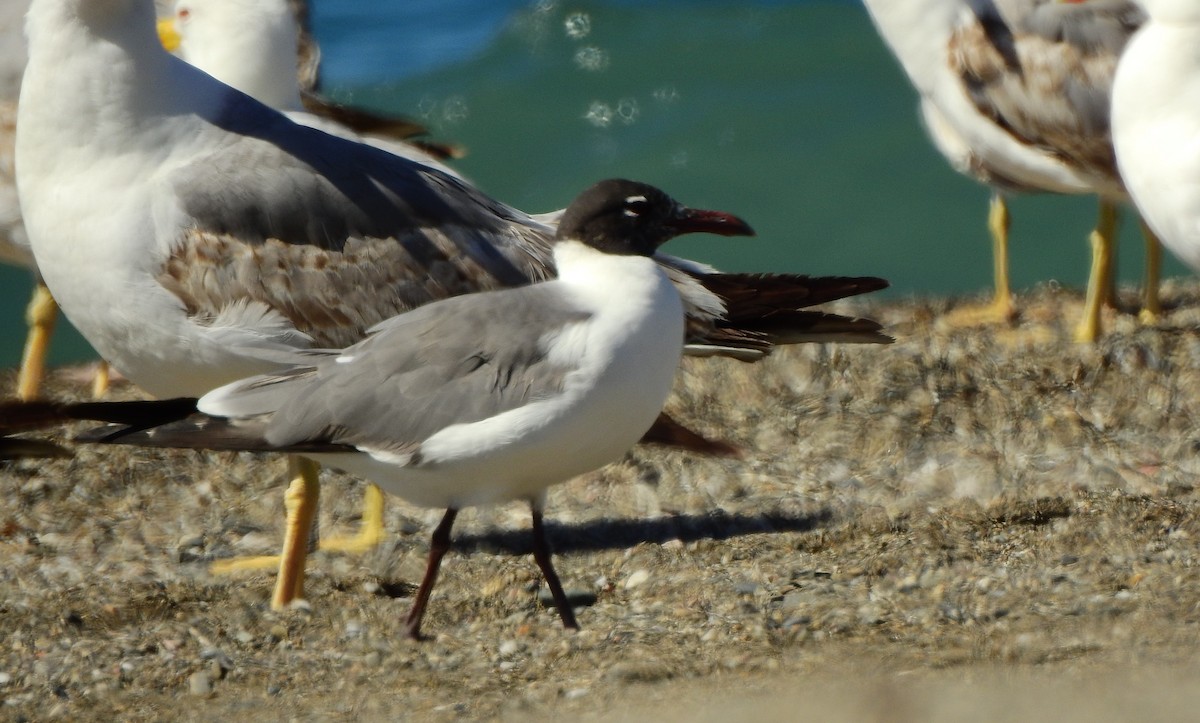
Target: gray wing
1043	70
335	235
458	361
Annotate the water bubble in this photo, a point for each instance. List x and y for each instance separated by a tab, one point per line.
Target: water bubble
591	58
454	109
679	159
666	94
627	110
578	25
599	114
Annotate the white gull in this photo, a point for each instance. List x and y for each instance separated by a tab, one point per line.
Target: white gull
1015	93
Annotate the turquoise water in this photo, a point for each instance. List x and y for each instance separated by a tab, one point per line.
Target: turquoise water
790	114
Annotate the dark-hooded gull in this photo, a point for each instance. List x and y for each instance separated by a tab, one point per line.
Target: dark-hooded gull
194	235
1015	93
480	398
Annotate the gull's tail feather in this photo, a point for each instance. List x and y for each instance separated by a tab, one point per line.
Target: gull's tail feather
752	295
202	431
16	417
762	311
23	416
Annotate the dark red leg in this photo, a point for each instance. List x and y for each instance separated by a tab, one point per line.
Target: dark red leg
438	546
541	553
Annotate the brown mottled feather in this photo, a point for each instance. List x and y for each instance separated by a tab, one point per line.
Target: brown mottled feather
1043	70
332	295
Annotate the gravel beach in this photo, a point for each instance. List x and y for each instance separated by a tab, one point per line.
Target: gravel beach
988	524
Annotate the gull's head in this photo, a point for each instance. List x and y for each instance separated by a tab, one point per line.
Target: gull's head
197	27
249	44
630	218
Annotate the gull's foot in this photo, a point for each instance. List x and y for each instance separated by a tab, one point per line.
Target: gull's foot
996	313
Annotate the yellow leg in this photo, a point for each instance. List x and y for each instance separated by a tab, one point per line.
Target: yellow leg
1103	240
1151	308
1001	309
41	315
999	223
370	533
301	500
100	382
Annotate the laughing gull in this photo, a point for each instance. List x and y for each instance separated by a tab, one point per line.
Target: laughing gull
487	397
1014	93
1156	123
195	236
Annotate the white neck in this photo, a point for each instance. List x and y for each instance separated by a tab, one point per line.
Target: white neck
250	46
581	265
98	64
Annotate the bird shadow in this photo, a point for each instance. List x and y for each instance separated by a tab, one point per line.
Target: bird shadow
619	534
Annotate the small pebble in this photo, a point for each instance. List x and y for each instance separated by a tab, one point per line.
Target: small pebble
509	648
200	683
637	577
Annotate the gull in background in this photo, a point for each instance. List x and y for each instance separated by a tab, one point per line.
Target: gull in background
42	313
196	236
1015	93
1156	123
265	49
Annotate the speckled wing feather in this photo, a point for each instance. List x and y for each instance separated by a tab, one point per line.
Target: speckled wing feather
336	235
1043	71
